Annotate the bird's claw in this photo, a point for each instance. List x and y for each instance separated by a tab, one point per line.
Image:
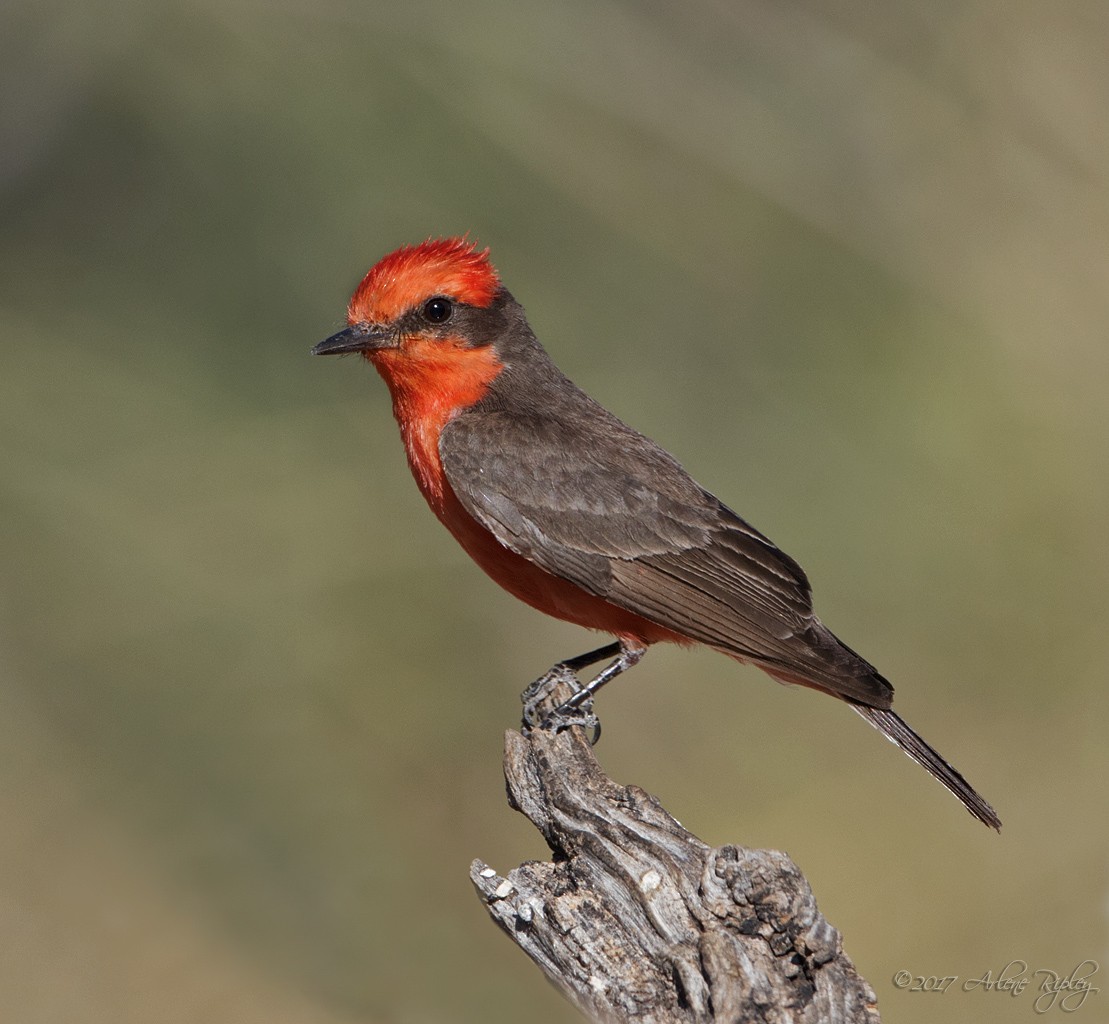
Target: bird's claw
540	692
567	716
537	699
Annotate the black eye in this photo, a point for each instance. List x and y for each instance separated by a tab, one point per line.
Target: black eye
438	310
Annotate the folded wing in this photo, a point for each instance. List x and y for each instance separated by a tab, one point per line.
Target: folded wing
592	501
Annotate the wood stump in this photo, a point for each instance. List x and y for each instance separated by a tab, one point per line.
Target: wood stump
636	919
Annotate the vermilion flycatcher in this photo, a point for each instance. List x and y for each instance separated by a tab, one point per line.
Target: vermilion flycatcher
571	510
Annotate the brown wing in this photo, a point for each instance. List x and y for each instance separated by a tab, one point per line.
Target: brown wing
588	499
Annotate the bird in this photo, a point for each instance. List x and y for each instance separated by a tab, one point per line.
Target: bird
576	513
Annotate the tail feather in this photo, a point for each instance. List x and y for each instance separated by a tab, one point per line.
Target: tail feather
895	729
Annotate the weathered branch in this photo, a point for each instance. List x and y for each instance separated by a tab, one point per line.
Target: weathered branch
635	919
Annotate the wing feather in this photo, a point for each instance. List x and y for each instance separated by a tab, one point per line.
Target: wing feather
590	500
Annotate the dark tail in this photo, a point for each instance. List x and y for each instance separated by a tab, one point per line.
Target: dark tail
891	725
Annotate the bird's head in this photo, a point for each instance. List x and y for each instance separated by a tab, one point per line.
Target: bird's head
427	317
419	301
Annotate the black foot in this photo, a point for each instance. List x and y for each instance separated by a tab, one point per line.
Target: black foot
578	709
628	654
539	697
541	691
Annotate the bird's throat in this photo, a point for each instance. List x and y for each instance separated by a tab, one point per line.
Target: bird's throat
430	383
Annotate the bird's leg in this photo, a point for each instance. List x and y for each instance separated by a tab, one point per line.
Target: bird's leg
629	655
578	710
564	672
591	657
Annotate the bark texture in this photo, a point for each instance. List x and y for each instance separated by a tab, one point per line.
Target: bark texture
636	919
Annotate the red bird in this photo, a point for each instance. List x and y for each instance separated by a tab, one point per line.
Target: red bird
575	513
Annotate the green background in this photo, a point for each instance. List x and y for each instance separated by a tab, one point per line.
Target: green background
849	262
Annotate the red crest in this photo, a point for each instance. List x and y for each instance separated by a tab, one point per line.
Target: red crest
454	267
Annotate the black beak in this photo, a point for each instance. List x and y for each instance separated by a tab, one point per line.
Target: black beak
359	338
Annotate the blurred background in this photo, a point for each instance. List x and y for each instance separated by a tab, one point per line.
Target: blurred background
850	262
